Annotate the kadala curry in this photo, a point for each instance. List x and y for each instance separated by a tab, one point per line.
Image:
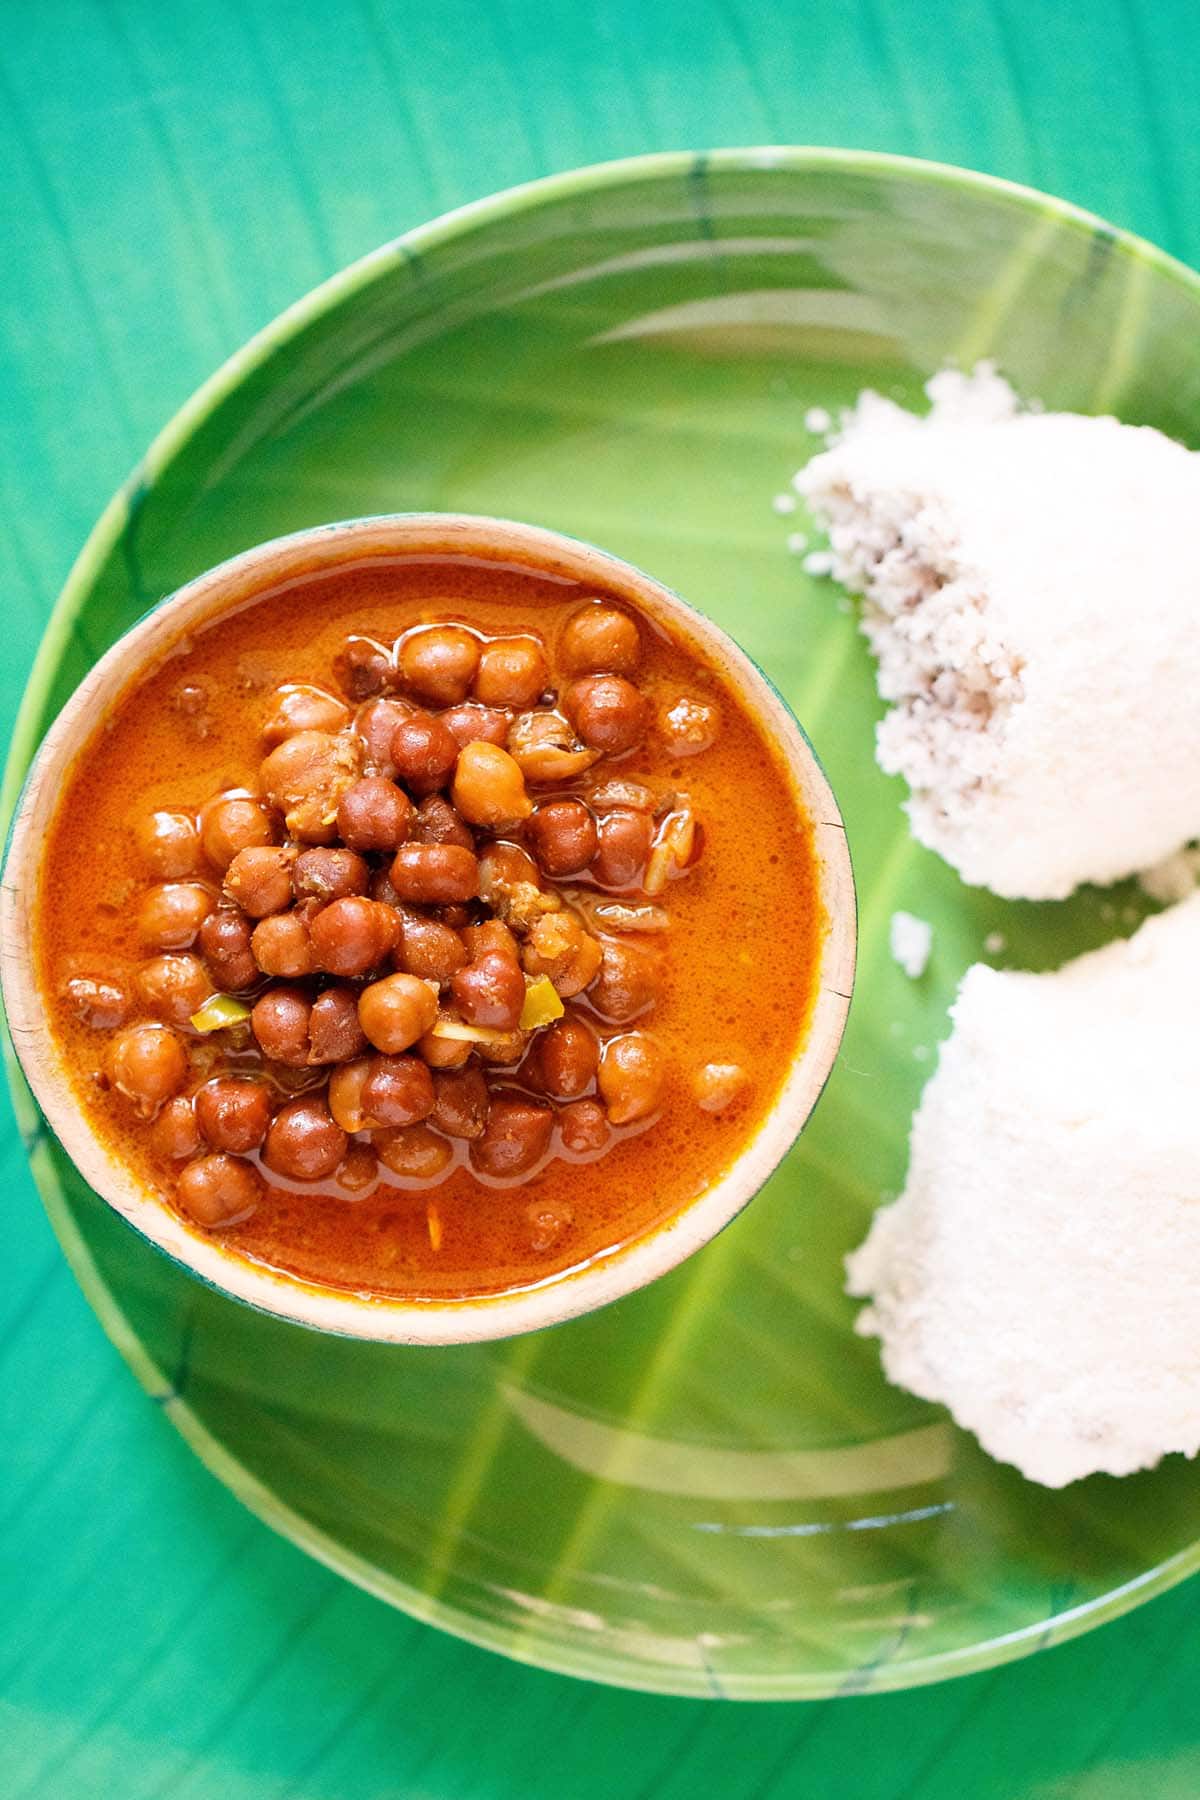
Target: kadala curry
429	928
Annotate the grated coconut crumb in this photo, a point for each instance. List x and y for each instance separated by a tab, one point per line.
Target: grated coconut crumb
911	943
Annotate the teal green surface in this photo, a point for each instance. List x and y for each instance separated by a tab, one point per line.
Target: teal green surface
709	1489
158	1640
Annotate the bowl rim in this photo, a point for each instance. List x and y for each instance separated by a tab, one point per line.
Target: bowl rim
475	1627
242	580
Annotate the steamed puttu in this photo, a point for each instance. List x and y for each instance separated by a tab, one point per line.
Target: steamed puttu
1040	1273
1032	594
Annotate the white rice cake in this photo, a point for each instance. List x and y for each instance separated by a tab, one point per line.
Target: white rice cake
1032	588
1040	1273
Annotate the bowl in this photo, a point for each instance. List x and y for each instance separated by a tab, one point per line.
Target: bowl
233	585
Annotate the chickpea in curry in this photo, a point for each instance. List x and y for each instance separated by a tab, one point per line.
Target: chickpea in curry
431	934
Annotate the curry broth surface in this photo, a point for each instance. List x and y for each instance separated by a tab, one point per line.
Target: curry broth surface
743	944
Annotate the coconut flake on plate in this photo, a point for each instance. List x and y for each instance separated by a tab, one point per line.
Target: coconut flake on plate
911	943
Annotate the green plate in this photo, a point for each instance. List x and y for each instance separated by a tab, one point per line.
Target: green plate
709	1488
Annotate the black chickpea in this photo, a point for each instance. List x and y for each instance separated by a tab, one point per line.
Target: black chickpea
436	822
428	949
435	874
489	788
439	662
623	840
173	986
414	1153
169	844
381	887
567	1059
475	724
512	672
358	1170
510	883
396	1011
375	723
490	992
398	1090
147	1064
346	1083
230	823
101	1001
607	711
461	1102
600	640
218	1190
297	706
424	752
490	934
353	936
334	1032
233	1113
259	879
584	1127
324	874
171	914
627	982
516	1137
633	1073
282	946
225	941
563	835
279	1021
374	814
304	1141
175	1134
363	667
504	1049
305	778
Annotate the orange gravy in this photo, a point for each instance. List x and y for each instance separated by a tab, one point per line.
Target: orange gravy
743	944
